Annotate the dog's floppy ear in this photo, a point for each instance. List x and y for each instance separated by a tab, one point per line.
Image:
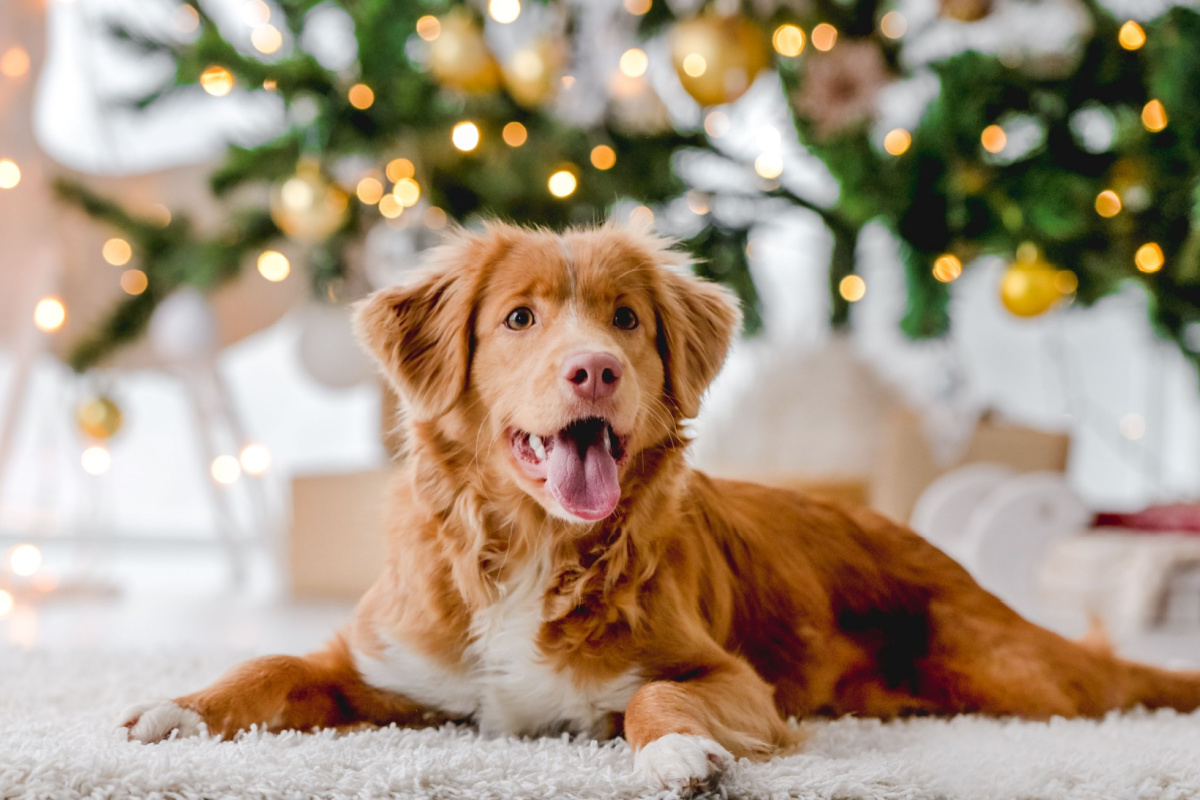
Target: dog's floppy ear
421	334
696	323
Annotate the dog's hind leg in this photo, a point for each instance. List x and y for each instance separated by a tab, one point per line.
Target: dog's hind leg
321	690
999	663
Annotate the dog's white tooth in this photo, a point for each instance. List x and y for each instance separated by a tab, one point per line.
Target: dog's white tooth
607	443
538	448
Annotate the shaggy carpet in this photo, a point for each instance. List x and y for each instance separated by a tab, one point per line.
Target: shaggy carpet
57	741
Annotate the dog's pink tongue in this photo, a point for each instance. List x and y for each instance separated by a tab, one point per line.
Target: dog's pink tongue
582	474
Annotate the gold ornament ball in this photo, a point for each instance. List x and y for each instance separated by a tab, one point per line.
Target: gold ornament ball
717	58
531	74
307	207
1030	288
459	57
98	417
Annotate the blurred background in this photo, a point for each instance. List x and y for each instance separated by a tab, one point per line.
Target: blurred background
964	233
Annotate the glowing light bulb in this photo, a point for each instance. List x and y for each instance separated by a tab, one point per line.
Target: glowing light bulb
1149	257
893	25
947	268
134	281
514	134
225	470
117	252
49	314
6	603
562	183
1154	116
255	459
788	40
14	63
407	191
429	27
185	19
217	81
1108	203
824	37
361	96
266	39
95	460
897	141
603	157
10	173
716	124
642	215
637	7
369	190
852	288
274	266
25	559
504	11
465	136
634	62
400	168
694	65
390	207
769	165
1131	36
993	138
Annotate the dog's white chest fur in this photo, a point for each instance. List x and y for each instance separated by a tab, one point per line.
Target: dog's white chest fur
505	683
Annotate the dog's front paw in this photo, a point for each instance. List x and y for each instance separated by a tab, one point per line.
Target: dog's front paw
155	721
682	761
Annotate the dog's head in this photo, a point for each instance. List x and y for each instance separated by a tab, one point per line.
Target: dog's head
556	359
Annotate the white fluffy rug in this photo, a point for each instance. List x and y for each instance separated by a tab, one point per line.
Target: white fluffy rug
57	741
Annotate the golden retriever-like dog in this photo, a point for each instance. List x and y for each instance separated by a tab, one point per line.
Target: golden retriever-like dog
554	564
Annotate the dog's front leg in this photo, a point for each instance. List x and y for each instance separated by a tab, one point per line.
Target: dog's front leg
321	690
687	732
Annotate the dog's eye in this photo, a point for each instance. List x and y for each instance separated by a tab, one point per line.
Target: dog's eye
519	319
625	319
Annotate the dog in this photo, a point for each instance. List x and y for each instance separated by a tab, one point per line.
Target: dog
555	565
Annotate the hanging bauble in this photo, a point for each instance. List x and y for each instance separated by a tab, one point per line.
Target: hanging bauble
965	10
531	73
459	57
184	328
328	349
717	58
1030	286
98	417
307	207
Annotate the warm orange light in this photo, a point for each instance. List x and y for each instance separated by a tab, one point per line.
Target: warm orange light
14	63
407	191
274	266
217	81
634	62
637	7
947	268
824	37
897	141
399	169
361	96
852	288
514	134
134	281
562	183
429	27
1154	116
1108	203
1131	36
10	173
893	25
117	252
993	138
1149	257
788	40
49	314
603	157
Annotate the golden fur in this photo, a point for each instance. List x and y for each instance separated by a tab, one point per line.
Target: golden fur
735	605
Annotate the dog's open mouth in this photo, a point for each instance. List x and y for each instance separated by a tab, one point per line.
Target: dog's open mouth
579	465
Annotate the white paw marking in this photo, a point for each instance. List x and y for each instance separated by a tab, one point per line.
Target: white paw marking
157	720
682	761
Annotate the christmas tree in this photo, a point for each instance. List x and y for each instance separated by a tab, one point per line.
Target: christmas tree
1078	161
